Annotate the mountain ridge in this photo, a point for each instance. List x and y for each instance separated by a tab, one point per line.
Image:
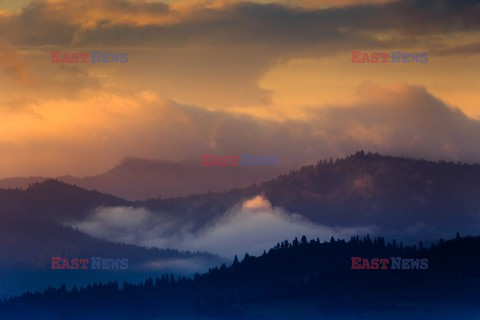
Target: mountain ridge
137	178
398	195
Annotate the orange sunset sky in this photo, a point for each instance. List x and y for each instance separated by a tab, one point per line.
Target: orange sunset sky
232	77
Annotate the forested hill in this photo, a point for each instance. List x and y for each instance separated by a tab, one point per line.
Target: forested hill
401	196
318	274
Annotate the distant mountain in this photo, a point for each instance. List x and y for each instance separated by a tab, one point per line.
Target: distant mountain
397	196
136	179
298	280
31	222
19	182
31	233
54	200
29	245
404	198
400	196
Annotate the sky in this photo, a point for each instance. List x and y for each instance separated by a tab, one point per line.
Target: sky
231	77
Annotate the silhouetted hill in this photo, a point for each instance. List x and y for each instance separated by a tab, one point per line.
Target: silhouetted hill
31	232
30	224
19	182
308	275
30	246
53	200
393	196
399	196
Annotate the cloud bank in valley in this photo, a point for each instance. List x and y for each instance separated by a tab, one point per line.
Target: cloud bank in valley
252	226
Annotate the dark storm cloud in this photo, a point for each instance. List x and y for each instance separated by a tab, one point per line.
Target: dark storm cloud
123	23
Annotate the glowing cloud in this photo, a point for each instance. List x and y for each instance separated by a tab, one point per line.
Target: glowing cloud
251	226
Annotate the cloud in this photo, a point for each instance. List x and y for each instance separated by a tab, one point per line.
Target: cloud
214	53
461	50
187	266
13	66
252	227
284	28
397	120
257	203
19	105
217	51
402	119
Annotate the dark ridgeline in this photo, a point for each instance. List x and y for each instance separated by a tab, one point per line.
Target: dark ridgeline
390	192
136	178
31	231
394	193
302	271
